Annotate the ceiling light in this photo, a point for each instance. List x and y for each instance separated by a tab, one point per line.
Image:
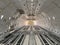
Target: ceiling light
9	18
30	22
53	18
2	16
31	0
9	27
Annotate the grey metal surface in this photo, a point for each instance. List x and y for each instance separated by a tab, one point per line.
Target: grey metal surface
31	37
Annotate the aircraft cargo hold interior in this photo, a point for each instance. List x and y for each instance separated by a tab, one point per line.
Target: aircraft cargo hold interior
29	22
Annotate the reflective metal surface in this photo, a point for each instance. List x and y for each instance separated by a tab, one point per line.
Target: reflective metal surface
23	36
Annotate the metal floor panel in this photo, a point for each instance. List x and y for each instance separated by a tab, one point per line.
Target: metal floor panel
30	36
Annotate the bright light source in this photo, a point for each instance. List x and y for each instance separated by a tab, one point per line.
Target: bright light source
2	16
26	23
30	22
31	0
9	27
35	22
53	18
9	18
